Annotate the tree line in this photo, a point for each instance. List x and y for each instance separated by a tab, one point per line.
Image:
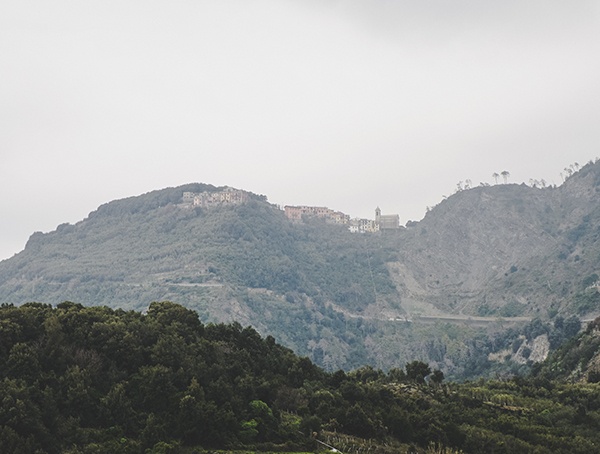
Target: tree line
78	379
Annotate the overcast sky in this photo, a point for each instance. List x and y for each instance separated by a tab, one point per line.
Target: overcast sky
346	104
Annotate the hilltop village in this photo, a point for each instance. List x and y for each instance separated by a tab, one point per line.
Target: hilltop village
355	225
207	199
231	196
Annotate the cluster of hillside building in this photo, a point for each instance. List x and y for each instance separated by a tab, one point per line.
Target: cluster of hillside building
297	213
231	196
356	225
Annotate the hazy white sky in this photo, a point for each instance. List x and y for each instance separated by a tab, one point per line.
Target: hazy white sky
347	104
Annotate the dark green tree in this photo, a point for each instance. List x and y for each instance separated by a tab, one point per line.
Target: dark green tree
417	371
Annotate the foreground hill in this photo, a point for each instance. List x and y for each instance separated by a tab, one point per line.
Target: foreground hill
471	279
95	380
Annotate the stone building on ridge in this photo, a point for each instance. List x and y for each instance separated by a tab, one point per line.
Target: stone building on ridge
386	221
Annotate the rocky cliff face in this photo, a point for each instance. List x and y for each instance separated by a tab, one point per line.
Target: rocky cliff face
470	241
503	250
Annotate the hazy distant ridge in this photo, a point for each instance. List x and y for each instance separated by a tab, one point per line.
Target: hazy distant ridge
493	251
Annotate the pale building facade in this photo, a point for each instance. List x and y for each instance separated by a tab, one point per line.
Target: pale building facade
295	213
229	196
387	221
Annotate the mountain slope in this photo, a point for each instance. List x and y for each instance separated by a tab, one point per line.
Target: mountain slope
341	298
507	249
155	243
245	262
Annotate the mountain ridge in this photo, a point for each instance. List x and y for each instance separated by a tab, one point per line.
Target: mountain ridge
345	299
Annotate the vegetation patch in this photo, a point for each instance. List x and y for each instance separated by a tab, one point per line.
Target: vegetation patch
83	380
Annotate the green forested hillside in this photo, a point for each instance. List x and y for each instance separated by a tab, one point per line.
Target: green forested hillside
152	246
245	263
80	379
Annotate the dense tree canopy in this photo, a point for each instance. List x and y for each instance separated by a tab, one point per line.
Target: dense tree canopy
91	379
